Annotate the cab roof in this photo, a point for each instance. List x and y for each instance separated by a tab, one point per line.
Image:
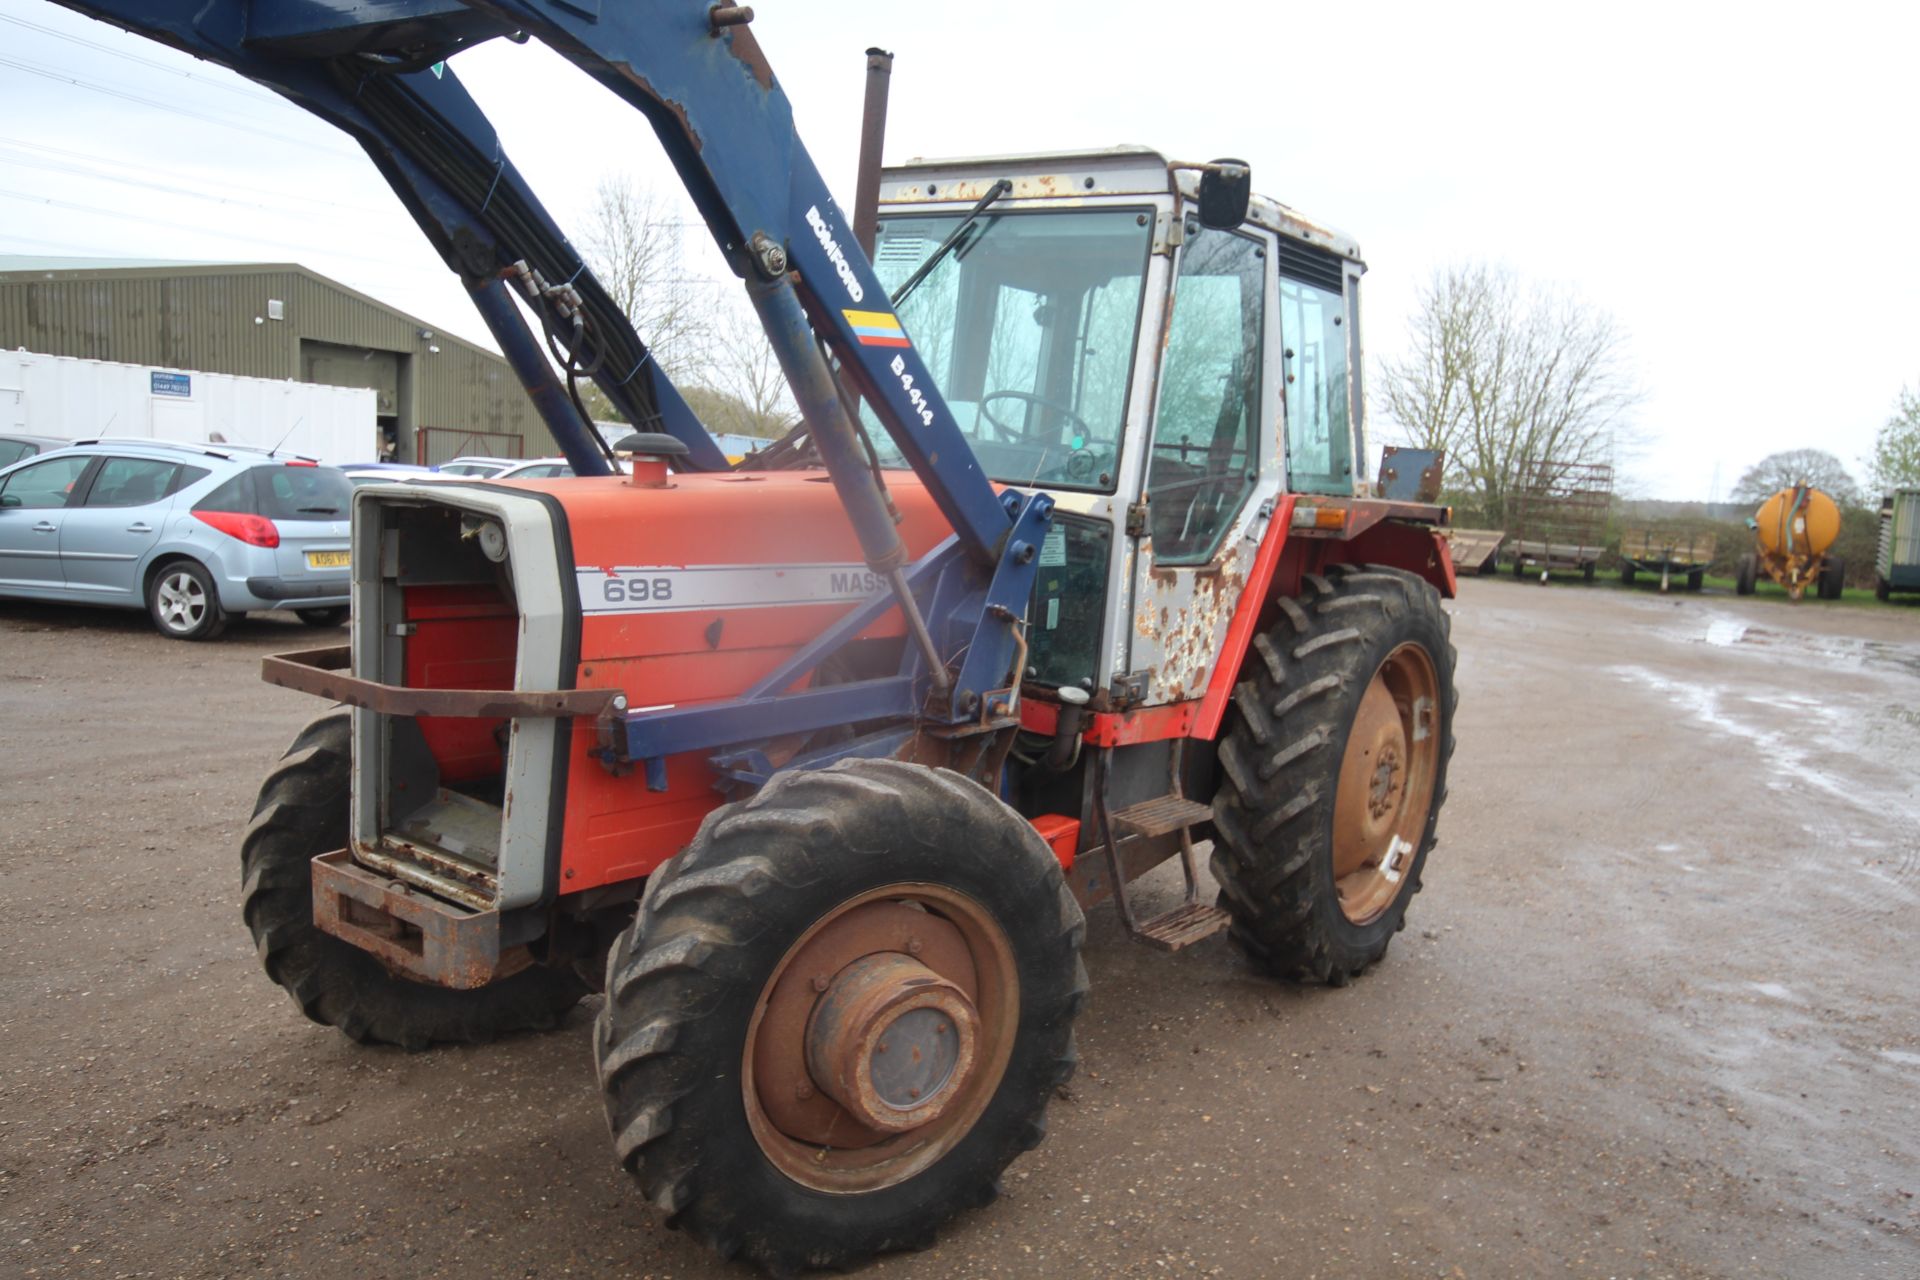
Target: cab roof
1072	175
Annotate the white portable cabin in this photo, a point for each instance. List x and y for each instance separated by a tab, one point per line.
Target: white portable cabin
76	399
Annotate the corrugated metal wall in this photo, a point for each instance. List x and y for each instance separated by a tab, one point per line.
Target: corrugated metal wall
204	318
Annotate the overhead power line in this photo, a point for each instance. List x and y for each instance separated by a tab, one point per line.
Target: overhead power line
118	164
244	90
225	202
64	77
282	246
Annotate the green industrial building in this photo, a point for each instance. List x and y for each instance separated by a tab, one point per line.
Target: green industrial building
438	396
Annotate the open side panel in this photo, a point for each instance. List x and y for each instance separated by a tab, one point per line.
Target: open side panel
460	590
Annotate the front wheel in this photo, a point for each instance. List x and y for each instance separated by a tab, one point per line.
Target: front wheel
840	1014
1335	769
184	603
301	813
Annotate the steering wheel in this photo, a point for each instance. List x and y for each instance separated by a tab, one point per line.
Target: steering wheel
1003	432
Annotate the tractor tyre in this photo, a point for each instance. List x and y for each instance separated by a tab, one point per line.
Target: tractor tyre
1588	570
1882	589
1696	579
1520	568
1747	575
1626	575
742	1050
1334	769
302	812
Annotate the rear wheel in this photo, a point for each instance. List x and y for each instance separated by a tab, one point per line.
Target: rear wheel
1747	574
1335	769
1589	569
183	602
840	1014
1626	575
1696	579
322	617
1833	579
302	812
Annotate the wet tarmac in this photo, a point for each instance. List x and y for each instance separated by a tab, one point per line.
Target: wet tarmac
1654	1015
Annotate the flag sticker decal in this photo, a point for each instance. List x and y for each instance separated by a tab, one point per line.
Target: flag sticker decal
876	328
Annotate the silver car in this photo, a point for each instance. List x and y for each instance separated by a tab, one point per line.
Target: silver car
195	534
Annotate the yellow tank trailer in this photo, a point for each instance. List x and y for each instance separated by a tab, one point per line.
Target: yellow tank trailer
1792	531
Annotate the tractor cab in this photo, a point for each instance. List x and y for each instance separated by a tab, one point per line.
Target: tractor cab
1163	379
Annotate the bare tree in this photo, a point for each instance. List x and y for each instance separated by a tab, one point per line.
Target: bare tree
1790	467
633	243
1505	378
709	343
746	371
742	389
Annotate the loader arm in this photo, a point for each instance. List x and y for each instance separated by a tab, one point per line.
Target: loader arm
376	69
373	68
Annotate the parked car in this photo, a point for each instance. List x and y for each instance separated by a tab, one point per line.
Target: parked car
532	469
196	534
478	468
536	469
15	447
384	473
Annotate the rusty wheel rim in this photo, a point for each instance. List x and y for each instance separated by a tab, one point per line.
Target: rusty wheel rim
1385	789
880	1038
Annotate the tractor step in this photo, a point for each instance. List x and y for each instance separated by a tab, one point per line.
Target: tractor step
1160	816
1186	924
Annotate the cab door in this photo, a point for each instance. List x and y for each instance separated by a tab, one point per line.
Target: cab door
1214	465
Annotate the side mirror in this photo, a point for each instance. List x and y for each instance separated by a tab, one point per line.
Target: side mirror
1226	187
9	500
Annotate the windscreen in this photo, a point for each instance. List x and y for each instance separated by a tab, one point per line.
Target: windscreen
1028	325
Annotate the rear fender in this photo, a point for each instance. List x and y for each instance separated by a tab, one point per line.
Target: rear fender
1284	561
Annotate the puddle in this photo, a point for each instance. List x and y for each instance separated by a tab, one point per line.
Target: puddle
1733	633
1902	1057
1726	631
1799	746
1775	991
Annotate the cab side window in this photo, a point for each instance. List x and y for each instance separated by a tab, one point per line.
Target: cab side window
1206	431
1318	343
44	485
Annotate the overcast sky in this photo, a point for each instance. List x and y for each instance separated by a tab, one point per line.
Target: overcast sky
1734	183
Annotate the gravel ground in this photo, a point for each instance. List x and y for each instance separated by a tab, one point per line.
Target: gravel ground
1653	1016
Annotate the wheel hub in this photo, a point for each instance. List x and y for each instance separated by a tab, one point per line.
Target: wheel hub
892	1042
1385	789
907	988
1386	781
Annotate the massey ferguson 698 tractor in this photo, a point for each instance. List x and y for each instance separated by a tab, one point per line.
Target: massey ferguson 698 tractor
811	764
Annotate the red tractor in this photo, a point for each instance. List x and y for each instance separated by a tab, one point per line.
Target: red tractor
812	764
